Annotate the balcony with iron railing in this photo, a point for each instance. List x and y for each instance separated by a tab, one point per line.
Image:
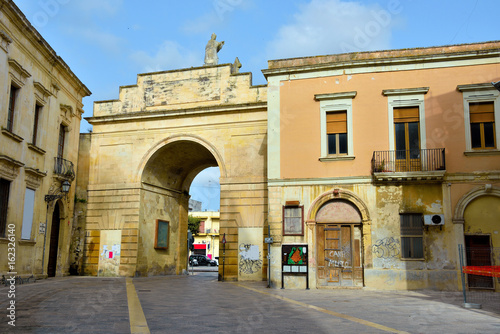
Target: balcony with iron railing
64	168
409	165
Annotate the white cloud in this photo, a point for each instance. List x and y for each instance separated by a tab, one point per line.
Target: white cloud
335	26
100	6
105	41
202	24
170	55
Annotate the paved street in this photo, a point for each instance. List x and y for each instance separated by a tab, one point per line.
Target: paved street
200	304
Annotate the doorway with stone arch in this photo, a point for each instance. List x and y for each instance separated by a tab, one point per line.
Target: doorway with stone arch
339	219
339	245
478	210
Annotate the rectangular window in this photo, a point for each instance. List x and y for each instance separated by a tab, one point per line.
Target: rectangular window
202	227
4	203
12	105
29	205
62	137
60	150
336	130
482	125
412	236
293	222
38	110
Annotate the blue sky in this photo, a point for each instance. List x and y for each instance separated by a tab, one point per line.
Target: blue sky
108	42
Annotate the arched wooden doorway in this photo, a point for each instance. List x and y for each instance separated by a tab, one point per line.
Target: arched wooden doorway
339	244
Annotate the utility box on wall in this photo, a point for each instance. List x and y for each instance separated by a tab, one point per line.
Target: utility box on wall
433	220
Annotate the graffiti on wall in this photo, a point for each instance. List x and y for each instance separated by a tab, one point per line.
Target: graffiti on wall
386	248
250	261
339	258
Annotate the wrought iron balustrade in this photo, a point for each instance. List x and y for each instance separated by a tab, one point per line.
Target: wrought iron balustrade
64	168
425	160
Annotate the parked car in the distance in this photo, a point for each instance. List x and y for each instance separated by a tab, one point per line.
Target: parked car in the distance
202	260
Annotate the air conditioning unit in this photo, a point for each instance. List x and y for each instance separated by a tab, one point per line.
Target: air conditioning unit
434	220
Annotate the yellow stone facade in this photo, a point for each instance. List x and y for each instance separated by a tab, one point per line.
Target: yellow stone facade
209	236
40	96
147	147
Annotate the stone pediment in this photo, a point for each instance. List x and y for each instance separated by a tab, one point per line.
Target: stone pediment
199	87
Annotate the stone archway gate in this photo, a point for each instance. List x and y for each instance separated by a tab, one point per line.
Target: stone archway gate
146	148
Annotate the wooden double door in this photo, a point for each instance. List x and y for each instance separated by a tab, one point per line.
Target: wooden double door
339	249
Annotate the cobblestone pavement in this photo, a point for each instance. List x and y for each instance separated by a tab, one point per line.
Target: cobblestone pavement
200	304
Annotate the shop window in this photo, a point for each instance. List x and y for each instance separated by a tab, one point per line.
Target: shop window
412	236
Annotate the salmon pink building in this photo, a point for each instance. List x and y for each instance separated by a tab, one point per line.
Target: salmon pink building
380	164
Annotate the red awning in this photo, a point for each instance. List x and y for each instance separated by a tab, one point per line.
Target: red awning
200	246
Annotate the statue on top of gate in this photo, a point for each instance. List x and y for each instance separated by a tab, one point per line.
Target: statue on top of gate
211	50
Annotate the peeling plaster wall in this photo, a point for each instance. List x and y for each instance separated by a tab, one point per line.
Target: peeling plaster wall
151	261
383	266
250	254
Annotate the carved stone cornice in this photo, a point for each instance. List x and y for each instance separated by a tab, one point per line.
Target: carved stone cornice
5	41
66	113
33	177
36	149
9	168
41	91
18	71
55	88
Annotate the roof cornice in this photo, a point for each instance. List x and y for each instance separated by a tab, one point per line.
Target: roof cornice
386	58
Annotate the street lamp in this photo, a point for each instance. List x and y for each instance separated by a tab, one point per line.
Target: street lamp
64	190
49	198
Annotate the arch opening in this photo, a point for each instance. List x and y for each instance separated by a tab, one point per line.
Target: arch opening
166	189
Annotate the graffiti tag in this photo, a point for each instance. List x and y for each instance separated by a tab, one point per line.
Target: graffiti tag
386	248
337	263
250	261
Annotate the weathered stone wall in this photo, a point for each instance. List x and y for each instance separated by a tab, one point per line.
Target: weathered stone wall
41	77
147	148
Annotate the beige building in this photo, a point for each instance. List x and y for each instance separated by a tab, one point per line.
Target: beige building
381	163
40	123
145	150
206	240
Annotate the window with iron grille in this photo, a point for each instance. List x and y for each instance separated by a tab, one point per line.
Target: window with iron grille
293	221
412	236
4	202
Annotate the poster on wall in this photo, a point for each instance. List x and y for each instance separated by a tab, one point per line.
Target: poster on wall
294	261
109	253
